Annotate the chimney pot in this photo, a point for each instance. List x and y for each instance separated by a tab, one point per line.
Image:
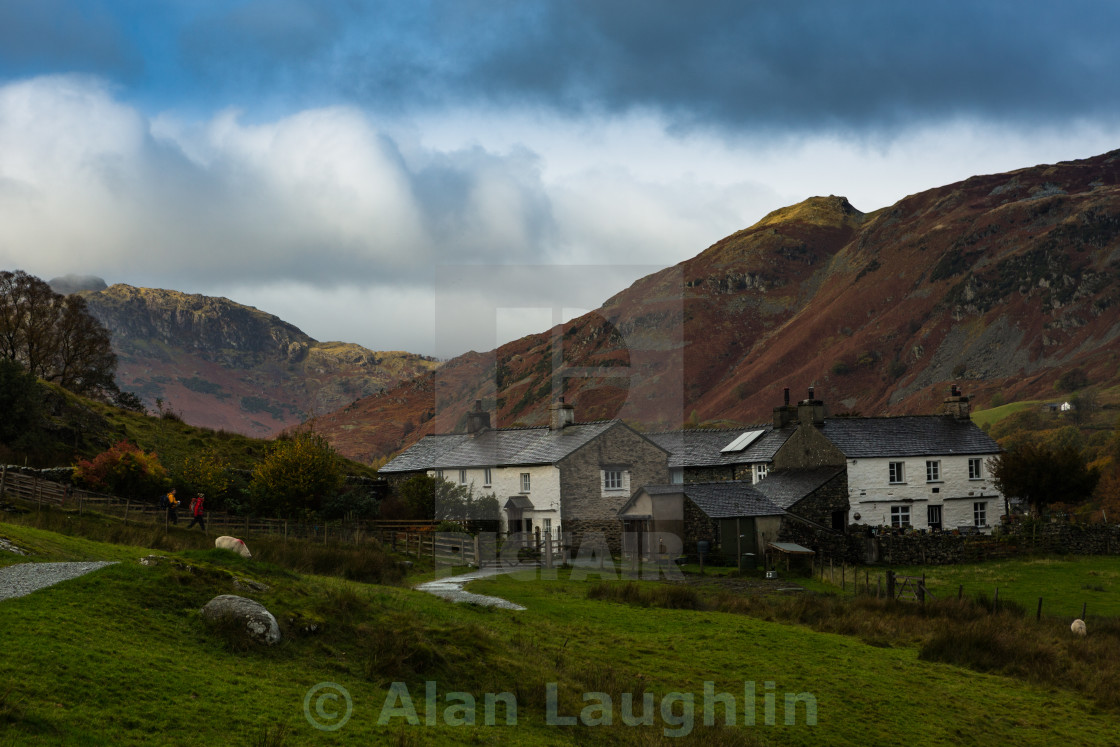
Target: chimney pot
811	393
787	395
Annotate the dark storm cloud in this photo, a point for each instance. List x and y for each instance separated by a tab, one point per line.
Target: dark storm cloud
806	64
731	64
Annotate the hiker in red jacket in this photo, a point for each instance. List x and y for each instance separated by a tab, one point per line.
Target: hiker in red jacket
196	512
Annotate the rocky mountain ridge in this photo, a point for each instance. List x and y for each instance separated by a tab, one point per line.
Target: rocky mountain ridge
999	283
221	364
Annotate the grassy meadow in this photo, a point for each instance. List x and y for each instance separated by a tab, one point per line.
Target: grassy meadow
123	656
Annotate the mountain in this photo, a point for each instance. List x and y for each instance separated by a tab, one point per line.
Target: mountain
999	283
224	365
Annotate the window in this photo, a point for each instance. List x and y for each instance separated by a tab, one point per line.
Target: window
900	516
524	482
462	477
612	479
933	471
975	468
980	514
486	477
439	474
676	475
760	471
547	527
897	475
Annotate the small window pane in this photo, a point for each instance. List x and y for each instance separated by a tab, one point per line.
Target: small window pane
933	471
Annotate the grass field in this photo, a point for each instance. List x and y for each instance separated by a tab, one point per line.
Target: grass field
1065	584
123	656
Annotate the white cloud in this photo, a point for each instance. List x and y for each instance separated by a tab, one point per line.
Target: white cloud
340	223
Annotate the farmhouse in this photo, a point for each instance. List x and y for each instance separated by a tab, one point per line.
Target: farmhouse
567	476
923	471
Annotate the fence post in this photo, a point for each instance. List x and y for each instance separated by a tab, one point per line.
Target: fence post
126	502
1038	615
890	584
922	590
3	478
1083	610
960	592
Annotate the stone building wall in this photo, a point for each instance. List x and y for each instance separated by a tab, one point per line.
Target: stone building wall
586	508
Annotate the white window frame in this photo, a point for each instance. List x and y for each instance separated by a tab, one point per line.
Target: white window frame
487	477
900	516
462	477
933	470
760	472
526	482
547	529
439	474
980	514
613	479
896	473
975	468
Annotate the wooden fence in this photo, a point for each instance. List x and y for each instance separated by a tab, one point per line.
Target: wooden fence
40	491
483	549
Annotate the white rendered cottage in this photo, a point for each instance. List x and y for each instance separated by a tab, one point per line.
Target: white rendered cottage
921	471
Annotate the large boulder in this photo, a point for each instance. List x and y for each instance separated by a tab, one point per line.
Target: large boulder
259	622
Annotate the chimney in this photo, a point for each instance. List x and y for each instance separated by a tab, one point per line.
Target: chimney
560	415
477	419
785	414
956	404
811	411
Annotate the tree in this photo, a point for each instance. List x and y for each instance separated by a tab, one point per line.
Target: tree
124	470
19	404
54	336
1042	475
206	473
427	497
297	477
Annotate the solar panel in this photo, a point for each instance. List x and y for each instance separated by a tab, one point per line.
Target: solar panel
742	441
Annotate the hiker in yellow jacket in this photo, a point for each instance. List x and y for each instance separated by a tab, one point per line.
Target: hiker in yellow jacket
172	507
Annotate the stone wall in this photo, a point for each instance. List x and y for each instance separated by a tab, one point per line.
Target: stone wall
585	508
807	448
858	546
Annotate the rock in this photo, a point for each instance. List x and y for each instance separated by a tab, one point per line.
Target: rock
245	584
259	622
9	547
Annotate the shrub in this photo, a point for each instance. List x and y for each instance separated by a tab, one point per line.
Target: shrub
124	470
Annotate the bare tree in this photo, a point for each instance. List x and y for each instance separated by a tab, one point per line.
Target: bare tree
54	336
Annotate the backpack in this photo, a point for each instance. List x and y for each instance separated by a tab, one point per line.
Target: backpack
164	502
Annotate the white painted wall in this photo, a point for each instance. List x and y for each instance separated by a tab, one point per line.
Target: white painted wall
871	495
544	489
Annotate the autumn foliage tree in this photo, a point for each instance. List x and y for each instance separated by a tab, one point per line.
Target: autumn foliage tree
124	470
296	478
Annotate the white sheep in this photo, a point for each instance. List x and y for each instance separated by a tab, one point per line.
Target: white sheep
233	544
1078	627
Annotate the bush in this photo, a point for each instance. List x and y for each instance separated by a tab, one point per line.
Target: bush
126	471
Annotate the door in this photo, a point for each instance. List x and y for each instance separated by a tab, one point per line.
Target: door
934	516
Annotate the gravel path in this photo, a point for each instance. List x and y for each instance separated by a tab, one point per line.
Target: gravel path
452	588
20	580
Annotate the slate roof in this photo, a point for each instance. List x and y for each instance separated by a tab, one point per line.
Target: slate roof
698	447
909	435
719	500
498	447
786	487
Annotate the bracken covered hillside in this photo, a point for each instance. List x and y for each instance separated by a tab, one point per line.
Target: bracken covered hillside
999	283
224	365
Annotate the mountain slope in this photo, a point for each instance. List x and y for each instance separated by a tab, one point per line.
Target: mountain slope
999	283
224	365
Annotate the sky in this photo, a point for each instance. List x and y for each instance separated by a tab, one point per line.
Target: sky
431	175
